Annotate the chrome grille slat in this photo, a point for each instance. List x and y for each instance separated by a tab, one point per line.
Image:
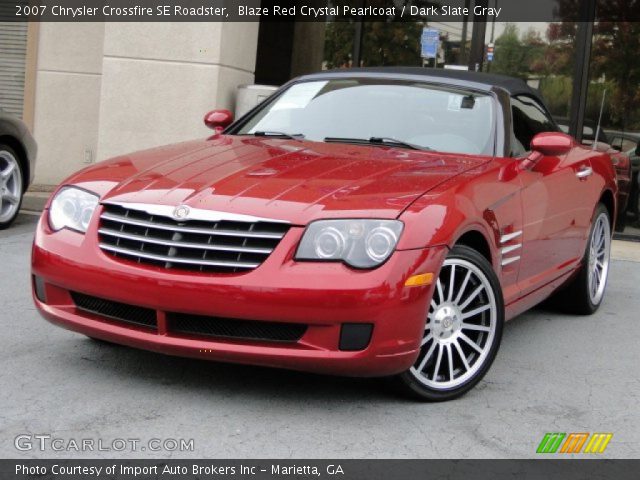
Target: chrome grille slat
208	243
173	259
183	229
171	243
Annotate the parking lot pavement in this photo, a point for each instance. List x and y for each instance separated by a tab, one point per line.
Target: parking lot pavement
554	373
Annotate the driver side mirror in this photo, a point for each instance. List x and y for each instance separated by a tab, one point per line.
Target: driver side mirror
552	143
218	120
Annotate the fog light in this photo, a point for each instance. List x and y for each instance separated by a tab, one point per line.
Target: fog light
39	289
355	336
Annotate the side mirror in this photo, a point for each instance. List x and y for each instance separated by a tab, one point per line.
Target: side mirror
218	120
552	143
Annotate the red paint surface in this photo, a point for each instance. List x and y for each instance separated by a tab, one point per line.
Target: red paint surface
439	197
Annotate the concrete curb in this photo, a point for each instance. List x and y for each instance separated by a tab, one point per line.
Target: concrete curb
35	201
625	250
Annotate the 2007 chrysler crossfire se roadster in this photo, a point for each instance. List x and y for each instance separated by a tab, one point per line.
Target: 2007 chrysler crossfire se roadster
366	222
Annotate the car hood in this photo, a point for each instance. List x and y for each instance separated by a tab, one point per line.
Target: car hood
294	181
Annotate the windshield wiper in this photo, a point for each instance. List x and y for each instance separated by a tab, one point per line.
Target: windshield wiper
269	133
388	141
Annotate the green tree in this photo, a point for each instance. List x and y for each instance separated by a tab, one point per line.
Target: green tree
338	44
509	56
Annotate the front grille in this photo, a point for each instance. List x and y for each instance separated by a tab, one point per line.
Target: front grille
233	328
145	317
225	246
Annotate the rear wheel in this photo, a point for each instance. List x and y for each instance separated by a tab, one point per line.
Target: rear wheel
11	186
584	294
462	332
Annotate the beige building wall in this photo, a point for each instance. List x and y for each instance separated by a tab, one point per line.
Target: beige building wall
110	88
67	97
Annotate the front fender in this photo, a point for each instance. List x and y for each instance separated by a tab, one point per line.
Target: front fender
482	200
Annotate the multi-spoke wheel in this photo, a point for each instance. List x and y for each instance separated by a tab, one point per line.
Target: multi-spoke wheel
463	328
583	295
598	266
11	186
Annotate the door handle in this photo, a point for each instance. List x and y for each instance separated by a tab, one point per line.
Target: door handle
584	172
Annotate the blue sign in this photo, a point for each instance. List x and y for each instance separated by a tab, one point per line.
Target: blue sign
429	42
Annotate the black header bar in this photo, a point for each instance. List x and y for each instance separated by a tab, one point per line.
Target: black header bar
311	10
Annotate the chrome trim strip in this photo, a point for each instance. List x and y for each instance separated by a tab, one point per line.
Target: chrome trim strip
510	236
510	260
183	229
194	213
173	243
510	248
188	261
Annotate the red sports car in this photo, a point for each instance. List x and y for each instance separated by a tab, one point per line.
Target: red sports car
368	222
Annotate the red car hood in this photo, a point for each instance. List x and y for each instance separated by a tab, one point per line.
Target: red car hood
296	181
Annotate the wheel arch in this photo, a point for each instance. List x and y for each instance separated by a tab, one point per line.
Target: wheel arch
477	240
608	200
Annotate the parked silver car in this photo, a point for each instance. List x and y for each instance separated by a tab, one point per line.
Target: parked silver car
17	164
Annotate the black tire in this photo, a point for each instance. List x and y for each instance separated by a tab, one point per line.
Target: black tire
621	222
412	382
7	150
574	297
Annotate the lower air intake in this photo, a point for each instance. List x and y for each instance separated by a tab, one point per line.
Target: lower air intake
122	312
233	328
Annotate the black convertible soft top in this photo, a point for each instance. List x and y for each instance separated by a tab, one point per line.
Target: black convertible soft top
514	86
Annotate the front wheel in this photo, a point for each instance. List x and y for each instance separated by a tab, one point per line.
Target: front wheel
462	332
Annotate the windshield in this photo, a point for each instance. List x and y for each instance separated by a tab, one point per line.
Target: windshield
414	113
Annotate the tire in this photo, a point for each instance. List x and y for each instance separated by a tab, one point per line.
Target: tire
450	366
578	297
621	222
11	186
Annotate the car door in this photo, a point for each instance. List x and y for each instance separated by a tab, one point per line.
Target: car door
553	211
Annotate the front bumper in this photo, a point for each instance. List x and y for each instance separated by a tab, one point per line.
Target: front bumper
323	296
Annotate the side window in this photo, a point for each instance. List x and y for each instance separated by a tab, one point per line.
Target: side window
628	145
616	142
529	119
623	144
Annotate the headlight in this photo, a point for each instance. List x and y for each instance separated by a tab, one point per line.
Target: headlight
359	243
72	208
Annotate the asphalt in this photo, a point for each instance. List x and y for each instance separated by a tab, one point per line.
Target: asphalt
554	373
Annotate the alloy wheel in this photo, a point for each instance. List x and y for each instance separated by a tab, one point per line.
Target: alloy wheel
599	250
10	186
460	327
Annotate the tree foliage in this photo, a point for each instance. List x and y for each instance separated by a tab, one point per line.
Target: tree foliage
551	60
